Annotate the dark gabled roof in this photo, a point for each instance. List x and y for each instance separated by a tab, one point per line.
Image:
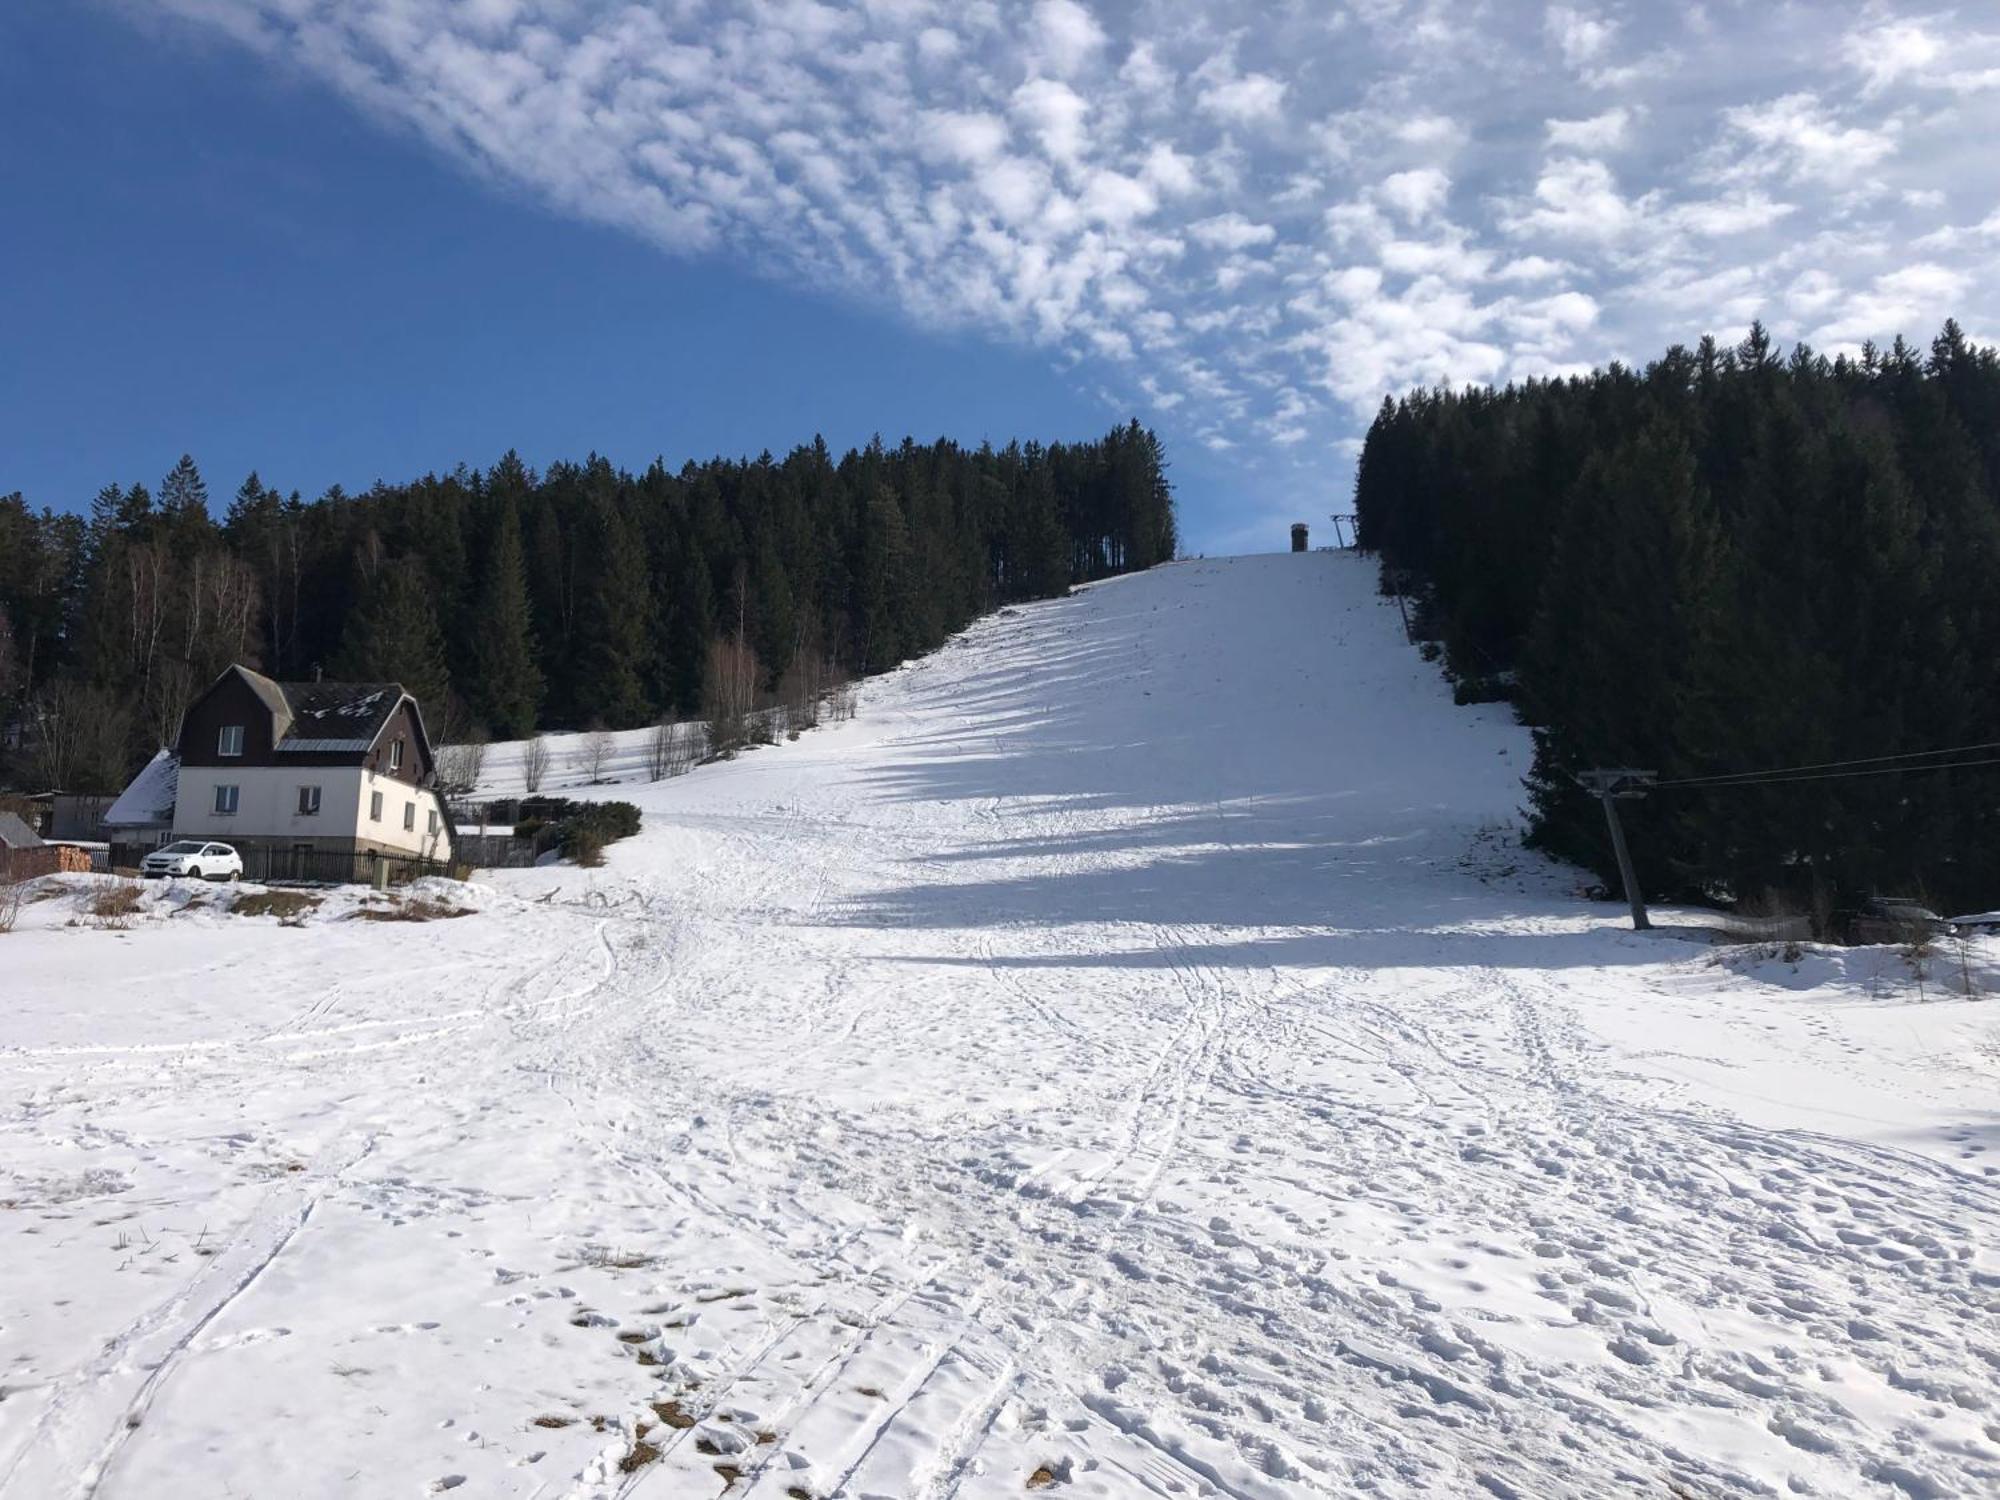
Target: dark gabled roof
336	716
272	694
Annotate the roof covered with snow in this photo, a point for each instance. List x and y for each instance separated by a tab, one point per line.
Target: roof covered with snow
149	800
15	834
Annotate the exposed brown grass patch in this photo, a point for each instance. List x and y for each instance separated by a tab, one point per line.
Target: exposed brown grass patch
673	1414
420	910
730	1473
642	1454
285	905
1042	1478
553	1422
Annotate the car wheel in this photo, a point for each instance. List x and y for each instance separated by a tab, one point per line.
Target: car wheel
194	873
234	876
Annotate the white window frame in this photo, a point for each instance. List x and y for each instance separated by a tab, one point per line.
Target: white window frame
228	798
374	807
409	817
433	823
396	754
309	801
229	742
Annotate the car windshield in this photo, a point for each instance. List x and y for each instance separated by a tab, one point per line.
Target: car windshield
182	848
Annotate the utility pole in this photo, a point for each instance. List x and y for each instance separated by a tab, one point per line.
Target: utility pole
1612	785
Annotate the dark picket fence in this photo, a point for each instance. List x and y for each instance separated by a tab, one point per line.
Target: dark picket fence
278	866
274	866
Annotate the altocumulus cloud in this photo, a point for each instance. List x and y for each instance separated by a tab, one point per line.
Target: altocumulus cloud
1246	222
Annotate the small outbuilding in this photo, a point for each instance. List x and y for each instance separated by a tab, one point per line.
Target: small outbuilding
1299	536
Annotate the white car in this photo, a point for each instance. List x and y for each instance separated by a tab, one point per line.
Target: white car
194	859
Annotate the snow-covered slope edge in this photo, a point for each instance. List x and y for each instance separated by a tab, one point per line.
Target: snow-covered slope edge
1119	1062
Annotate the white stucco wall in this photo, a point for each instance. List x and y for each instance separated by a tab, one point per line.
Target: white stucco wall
267	806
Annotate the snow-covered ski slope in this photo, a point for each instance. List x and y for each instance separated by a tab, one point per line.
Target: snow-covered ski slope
1128	1060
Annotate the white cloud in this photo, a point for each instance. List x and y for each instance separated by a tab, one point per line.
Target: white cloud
1417	193
1797	136
1231	232
1604	132
1891	51
1054	113
1576	198
1252	99
1580	35
1263	228
1069	34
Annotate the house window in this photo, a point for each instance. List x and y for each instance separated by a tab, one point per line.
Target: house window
308	801
375	807
395	755
229	740
434	823
409	817
225	800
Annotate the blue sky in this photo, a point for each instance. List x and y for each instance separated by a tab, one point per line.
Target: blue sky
337	240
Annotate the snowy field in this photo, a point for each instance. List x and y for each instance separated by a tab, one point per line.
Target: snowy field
1130	1059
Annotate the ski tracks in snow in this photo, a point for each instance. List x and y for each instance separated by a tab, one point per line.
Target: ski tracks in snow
1054	1081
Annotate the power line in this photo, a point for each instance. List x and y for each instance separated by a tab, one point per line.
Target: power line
1941	765
1841	767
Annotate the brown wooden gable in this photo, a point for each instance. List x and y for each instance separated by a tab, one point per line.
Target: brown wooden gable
232	700
407	725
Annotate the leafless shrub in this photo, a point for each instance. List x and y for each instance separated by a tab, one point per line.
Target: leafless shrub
461	765
1918	948
1962	939
673	749
112	904
13	895
535	758
729	694
593	753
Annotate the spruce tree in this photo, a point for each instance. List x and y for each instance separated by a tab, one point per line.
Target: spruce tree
505	687
393	636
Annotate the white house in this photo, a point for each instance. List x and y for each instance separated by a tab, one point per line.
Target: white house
308	768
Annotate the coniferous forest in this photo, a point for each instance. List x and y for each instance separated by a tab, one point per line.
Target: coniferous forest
510	601
1734	560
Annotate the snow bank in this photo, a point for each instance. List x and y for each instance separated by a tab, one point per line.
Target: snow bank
1130	1059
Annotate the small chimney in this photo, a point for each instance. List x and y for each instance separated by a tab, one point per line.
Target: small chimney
1299	536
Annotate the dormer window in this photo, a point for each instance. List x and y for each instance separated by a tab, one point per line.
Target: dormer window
229	740
395	755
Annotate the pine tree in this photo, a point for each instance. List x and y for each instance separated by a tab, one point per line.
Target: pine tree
394	636
505	689
614	622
